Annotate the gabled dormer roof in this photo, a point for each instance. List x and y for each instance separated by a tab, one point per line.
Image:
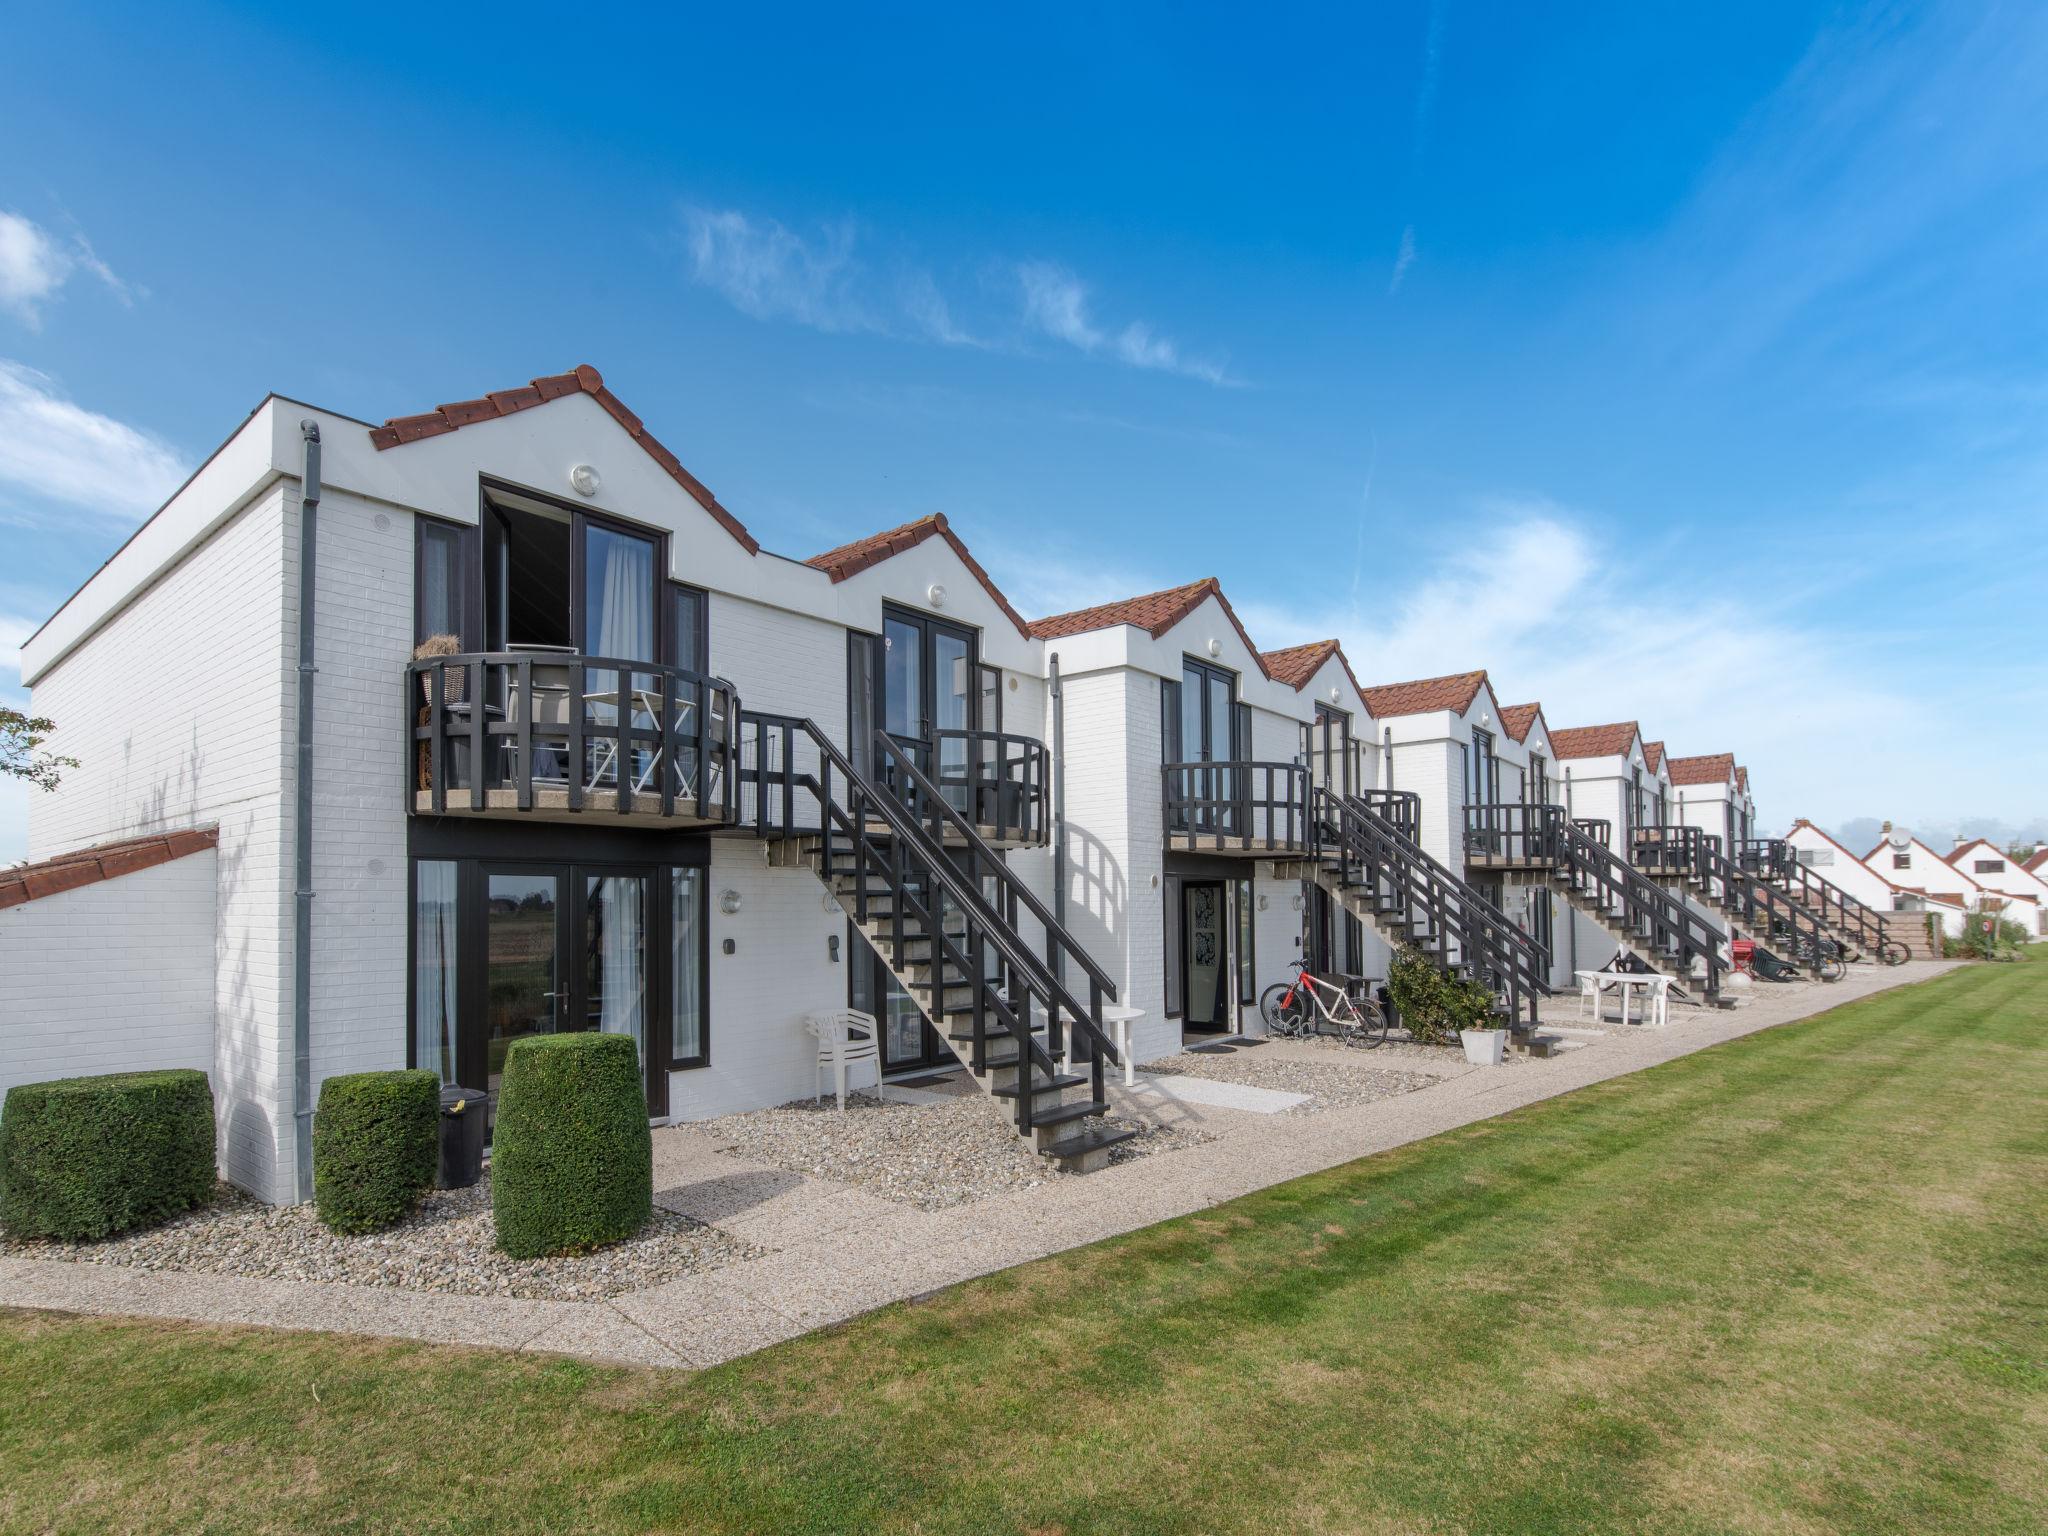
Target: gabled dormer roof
1711	768
583	380
1424	696
1517	718
1653	755
1298	665
1595	740
851	559
1155	613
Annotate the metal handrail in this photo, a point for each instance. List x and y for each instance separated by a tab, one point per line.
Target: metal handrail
1001	778
1399	808
1215	803
1778	860
911	854
489	703
1368	844
1544	835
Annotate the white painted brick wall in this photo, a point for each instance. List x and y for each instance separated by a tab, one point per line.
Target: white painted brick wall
111	977
779	971
363	623
177	709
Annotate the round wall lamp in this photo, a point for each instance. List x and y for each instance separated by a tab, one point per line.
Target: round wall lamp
935	595
584	480
831	902
1298	902
728	902
1215	646
1265	902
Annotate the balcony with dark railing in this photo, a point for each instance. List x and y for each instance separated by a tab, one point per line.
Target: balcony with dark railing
555	736
1240	809
1670	852
997	781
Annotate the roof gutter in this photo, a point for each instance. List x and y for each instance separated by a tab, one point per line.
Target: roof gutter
302	823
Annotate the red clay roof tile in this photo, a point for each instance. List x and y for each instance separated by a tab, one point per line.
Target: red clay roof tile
1155	613
1297	665
1653	754
1712	768
1594	740
1517	718
105	861
851	559
1425	695
400	430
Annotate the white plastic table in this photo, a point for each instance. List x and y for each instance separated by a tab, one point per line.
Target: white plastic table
1118	1017
1655	1006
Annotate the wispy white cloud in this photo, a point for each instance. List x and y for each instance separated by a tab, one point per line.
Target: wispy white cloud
767	270
1403	259
35	265
1558	613
1056	303
827	280
54	450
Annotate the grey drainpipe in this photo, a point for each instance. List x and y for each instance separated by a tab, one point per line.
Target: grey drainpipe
1571	923
302	829
1059	808
1387	752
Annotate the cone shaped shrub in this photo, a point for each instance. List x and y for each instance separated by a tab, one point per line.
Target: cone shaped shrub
87	1157
572	1158
376	1146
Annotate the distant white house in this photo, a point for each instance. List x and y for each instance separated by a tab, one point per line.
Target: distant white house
1996	870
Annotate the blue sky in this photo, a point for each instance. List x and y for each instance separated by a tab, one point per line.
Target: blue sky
1687	364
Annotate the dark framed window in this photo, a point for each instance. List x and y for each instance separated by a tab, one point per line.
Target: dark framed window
1482	770
1170	892
989	713
1247	953
1169	720
1537	788
1902	861
690	628
555	575
446	582
689	989
1988	867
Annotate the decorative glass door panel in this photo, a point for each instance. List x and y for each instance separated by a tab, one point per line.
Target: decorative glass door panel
523	989
1203	944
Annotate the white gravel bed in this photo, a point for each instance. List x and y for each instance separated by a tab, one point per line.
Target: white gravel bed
1332	1086
449	1245
932	1156
1412	1055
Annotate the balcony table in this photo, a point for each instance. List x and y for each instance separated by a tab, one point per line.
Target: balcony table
1655	1006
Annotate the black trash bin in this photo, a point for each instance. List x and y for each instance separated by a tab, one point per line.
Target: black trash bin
462	1137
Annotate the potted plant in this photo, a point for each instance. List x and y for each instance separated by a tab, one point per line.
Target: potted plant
1433	1006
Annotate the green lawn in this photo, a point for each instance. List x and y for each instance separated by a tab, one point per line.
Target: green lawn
1795	1283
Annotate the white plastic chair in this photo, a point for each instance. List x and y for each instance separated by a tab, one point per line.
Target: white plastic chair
846	1037
1589	993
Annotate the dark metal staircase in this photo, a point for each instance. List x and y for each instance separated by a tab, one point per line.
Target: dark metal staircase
1364	853
1859	927
1756	909
947	916
1542	844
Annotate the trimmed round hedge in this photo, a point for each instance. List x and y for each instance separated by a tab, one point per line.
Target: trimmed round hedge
572	1158
87	1157
376	1147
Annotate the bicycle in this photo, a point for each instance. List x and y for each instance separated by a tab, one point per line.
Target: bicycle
1893	952
1295	1009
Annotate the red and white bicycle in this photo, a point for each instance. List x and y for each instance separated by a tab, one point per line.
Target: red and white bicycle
1298	1008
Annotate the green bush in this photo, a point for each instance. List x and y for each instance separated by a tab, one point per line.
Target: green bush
87	1157
572	1160
1432	1006
376	1146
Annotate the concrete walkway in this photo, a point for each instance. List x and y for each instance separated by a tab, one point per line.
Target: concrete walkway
837	1251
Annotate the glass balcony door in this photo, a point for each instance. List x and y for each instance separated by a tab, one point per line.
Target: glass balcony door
930	683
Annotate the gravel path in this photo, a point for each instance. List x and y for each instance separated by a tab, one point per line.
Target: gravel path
1332	1086
932	1156
1440	1060
449	1245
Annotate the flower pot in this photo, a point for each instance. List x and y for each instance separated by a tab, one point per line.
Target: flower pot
1484	1047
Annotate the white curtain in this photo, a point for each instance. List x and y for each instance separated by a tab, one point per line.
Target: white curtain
434	972
617	907
622	572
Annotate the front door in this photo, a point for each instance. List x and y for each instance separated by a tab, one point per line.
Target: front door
525	991
929	686
564	948
1205	948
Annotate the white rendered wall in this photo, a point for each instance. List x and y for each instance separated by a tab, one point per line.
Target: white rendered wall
177	708
116	976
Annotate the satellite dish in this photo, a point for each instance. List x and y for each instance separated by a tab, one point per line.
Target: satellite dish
1900	840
